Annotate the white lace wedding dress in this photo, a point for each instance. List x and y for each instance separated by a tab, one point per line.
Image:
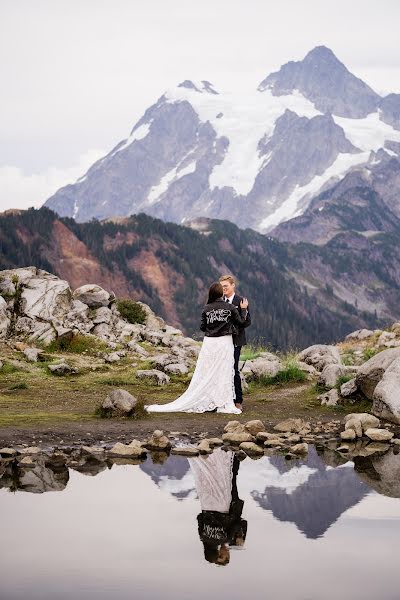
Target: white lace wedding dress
212	385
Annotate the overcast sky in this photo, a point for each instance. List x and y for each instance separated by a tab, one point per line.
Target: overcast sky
77	74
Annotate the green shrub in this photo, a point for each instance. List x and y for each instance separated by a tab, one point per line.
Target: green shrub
77	344
19	386
369	353
291	373
250	352
133	312
8	368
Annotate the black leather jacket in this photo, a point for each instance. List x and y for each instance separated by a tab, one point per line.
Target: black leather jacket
221	318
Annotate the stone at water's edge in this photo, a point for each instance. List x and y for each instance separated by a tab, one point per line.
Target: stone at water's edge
292	425
134	449
185	451
254	426
158	441
379	435
386	398
251	448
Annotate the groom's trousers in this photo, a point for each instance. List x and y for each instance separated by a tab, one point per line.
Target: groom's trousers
237	380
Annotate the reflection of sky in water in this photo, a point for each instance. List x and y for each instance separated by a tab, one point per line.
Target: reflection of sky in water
123	535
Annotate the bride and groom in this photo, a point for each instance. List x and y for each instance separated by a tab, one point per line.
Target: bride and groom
216	385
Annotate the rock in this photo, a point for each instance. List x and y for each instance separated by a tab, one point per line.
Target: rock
299	449
384	338
7	452
62	368
185	451
120	403
96	451
134	449
30	450
274	442
330	398
155	376
102	315
349	388
292	425
112	357
215	442
330	374
293	439
261	367
251	449
44	296
93	295
138	349
233	426
152	321
236	437
27	461
378	435
204	447
161	359
5	320
360	422
320	355
158	441
372	371
359	335
348	434
154	337
262	436
386	396
254	426
307	368
177	369
32	354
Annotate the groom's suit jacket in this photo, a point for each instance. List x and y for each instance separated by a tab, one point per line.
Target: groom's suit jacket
240	338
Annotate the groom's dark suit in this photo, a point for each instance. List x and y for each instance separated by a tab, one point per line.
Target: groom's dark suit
239	340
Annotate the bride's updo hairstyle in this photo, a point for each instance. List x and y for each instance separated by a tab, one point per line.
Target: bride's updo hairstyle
215	292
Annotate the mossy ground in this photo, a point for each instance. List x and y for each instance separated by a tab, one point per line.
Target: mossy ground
32	399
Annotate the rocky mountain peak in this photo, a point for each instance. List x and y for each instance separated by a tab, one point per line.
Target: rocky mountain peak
326	82
202	87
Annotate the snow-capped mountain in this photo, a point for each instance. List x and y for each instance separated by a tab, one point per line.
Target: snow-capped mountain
255	159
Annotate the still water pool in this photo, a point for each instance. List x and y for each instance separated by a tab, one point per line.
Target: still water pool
214	527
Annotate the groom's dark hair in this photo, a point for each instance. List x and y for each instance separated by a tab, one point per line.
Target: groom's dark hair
215	292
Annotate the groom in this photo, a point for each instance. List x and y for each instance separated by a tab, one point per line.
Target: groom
228	285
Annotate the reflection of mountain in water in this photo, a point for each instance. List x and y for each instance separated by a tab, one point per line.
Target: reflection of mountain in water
317	502
173	476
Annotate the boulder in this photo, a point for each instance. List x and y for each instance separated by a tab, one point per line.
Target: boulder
348	435
204	447
176	369
386	396
384	338
330	374
132	450
236	437
264	436
44	296
7	452
154	337
158	441
120	403
378	435
162	359
349	388
299	448
359	335
152	321
93	295
157	377
112	357
4	318
292	425
138	349
360	422
62	368
251	449
254	426
102	315
320	355
330	398
261	367
185	451
96	452
371	372
32	354
234	426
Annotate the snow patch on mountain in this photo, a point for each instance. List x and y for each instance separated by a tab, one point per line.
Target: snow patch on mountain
137	134
172	175
293	206
244	119
368	134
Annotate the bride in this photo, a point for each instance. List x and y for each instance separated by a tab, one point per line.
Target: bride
212	386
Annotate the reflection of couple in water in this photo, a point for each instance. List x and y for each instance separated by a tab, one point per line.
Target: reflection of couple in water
220	522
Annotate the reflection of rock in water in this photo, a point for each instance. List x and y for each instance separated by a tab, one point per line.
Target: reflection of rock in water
174	476
38	479
91	467
382	473
317	503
